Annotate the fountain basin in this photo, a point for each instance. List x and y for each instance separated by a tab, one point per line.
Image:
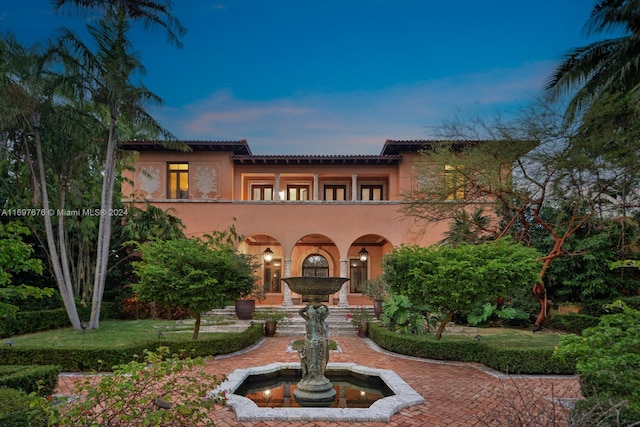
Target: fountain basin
315	289
381	410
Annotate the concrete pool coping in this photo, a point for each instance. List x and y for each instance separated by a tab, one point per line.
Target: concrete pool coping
380	411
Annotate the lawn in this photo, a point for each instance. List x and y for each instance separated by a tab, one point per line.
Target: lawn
508	338
112	334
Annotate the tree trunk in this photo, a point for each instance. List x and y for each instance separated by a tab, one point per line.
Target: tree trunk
104	228
66	290
196	326
446	320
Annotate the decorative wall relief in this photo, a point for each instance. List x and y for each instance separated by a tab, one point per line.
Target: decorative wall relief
149	180
205	180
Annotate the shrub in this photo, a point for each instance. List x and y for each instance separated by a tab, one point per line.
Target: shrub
514	361
161	389
608	359
574	323
41	379
16	410
75	360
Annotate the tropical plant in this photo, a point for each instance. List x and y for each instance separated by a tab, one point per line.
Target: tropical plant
15	257
485	312
399	314
359	316
608	360
193	274
375	288
29	92
605	66
456	279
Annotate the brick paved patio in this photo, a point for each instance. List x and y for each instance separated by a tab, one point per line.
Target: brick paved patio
456	394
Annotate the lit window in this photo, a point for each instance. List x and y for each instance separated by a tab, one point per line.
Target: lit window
454	182
178	181
272	274
261	192
297	192
335	192
371	192
358	275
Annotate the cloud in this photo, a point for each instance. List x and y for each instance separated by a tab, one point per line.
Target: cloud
350	122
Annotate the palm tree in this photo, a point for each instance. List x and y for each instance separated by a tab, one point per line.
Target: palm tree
108	73
606	66
151	12
28	94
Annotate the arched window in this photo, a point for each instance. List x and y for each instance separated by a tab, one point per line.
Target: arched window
315	265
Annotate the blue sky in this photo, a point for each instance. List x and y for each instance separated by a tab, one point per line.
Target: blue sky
337	76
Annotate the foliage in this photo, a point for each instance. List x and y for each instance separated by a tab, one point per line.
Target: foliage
605	66
457	278
31	378
271	315
26	322
16	410
74	358
482	314
401	315
359	316
512	359
375	288
16	256
574	323
608	358
584	272
193	274
161	389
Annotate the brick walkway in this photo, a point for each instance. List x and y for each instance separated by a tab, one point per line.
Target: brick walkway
456	394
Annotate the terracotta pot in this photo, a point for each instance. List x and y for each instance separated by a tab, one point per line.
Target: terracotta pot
270	328
363	330
377	308
245	308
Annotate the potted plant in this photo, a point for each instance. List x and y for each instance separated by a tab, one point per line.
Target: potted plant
246	304
272	319
360	318
377	290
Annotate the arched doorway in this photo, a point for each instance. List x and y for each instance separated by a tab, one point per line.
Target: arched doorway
315	265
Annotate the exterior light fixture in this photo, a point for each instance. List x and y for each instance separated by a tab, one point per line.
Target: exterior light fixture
364	255
267	255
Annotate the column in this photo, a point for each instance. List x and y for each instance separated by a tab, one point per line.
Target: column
287	292
344	290
276	188
354	187
315	186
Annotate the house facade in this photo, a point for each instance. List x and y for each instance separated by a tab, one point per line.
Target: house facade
300	215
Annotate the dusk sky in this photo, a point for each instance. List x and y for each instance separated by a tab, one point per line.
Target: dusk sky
336	76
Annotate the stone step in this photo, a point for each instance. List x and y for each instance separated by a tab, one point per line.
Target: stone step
338	324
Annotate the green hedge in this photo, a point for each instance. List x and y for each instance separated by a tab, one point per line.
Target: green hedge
40	379
15	410
27	322
512	361
78	360
574	323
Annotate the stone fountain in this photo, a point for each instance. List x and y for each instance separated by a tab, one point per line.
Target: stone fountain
314	389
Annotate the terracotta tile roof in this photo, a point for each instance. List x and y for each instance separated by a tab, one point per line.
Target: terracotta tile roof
240	147
316	159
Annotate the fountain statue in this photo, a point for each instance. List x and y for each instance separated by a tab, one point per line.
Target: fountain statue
314	389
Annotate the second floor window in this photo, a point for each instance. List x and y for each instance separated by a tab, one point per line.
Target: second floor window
297	192
261	192
335	192
455	183
178	181
371	192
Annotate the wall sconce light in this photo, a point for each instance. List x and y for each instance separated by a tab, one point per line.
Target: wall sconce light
267	255
364	255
